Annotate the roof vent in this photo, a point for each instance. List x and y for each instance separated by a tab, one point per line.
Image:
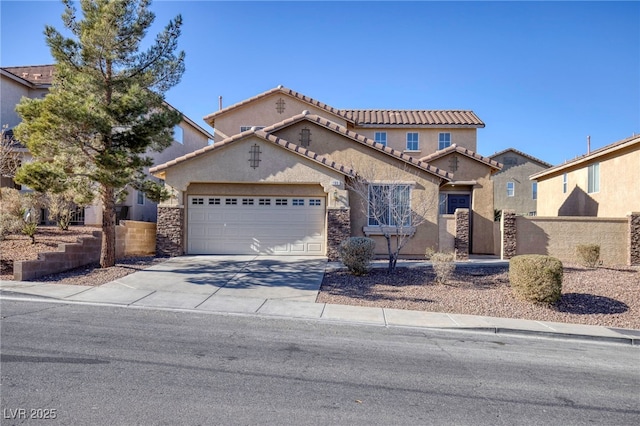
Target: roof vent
280	86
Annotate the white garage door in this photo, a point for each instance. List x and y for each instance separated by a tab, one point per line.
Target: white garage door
252	225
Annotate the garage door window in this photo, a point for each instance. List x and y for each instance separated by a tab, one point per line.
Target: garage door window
196	201
231	201
247	201
281	201
264	202
315	202
214	201
297	202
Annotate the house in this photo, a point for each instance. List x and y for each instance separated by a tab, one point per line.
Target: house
601	183
512	189
278	178
34	82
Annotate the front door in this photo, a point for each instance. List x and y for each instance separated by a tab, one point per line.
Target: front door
457	201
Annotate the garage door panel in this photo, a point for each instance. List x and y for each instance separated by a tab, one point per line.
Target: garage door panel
256	225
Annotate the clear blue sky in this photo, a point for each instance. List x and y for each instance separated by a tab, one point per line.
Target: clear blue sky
541	75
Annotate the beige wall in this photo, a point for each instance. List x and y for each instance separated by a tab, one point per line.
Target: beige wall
11	91
559	236
619	188
262	112
447	224
427	138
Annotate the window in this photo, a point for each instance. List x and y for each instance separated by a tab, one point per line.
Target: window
534	190
390	205
315	202
297	202
511	189
178	134
412	141
381	137
264	202
281	201
594	178
214	201
231	201
564	183
196	201
305	137
245	128
247	201
442	205
141	198
444	140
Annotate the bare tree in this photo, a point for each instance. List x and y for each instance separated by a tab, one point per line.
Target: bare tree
393	205
10	156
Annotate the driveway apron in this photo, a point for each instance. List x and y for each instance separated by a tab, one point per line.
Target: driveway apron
200	279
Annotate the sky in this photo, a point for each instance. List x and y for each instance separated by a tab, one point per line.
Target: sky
542	75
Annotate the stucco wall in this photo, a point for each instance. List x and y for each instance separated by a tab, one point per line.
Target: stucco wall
447	235
427	138
619	189
263	112
559	236
522	202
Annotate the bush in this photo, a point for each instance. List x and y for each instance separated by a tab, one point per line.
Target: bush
536	278
443	266
588	254
10	212
356	253
429	252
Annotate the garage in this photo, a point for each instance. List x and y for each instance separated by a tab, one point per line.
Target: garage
230	224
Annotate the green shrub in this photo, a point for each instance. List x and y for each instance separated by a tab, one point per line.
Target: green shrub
588	254
29	229
443	266
536	278
356	253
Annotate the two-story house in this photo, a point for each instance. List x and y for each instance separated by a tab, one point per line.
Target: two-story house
277	179
34	82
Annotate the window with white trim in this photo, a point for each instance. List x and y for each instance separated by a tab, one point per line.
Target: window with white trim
197	201
214	201
178	134
534	190
297	202
281	201
389	205
315	202
264	202
594	178
413	143
245	128
231	201
247	201
511	189
444	140
140	198
564	183
381	138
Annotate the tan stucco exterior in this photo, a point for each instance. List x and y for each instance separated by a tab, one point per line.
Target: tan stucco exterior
13	90
427	138
619	191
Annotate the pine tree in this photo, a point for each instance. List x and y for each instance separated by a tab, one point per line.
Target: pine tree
105	108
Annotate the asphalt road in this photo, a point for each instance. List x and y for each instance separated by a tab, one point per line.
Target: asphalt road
96	365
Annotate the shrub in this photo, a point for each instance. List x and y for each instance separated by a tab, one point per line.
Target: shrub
588	254
429	252
536	278
29	229
443	266
356	253
10	212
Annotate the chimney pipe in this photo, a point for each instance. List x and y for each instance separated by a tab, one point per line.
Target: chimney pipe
588	145
220	102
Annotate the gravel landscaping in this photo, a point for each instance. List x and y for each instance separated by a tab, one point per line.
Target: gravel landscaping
602	296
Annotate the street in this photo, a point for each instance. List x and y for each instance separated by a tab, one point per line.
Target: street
94	365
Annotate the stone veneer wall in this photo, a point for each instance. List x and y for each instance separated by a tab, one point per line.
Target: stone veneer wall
508	228
461	243
170	231
338	230
634	239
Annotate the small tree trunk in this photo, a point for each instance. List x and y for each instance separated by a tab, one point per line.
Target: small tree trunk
108	249
391	266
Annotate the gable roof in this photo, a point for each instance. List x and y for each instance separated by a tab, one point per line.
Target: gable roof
304	152
530	157
35	74
440	118
210	119
608	149
464	151
323	122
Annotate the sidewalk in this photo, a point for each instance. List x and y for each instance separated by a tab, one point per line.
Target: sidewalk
213	300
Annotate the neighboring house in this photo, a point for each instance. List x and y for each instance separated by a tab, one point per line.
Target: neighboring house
602	183
277	178
35	81
512	189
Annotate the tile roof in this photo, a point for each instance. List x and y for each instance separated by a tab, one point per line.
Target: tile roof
280	89
413	118
464	151
361	139
621	144
34	74
530	157
326	161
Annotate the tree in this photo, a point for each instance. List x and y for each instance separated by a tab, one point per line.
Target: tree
392	206
105	108
9	155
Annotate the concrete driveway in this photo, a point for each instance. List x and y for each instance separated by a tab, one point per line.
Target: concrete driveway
259	277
